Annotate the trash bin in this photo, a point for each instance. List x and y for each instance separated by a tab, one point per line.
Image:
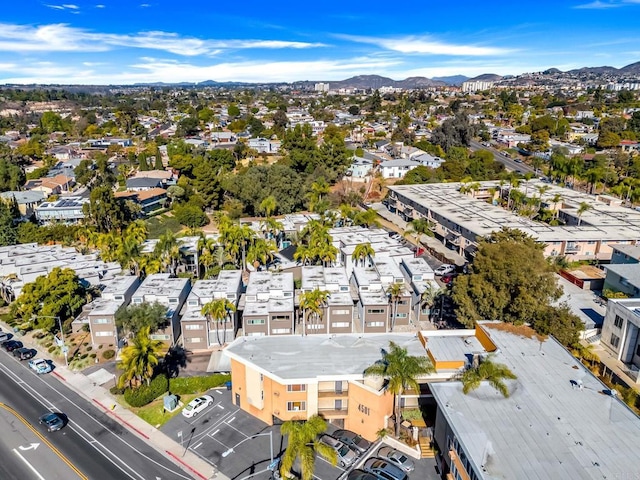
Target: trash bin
228	385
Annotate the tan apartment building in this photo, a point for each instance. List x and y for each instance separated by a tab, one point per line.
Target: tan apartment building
268	307
373	306
338	312
198	333
101	313
170	292
419	277
461	220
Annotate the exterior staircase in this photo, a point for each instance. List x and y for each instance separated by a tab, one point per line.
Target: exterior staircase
425	448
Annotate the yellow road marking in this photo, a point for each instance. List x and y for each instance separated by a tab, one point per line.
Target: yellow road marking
44	440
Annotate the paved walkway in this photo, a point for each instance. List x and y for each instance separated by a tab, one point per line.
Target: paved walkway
102	398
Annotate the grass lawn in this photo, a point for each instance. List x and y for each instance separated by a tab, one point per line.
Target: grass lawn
160	224
154	413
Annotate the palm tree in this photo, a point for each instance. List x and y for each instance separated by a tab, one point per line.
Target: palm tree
487	370
362	252
318	190
584	207
394	292
367	218
138	360
218	311
303	444
401	371
419	226
429	296
148	265
168	251
261	252
313	302
268	205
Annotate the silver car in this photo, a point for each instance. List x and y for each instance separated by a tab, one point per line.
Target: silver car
346	456
397	458
384	469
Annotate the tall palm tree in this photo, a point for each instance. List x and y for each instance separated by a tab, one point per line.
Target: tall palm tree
303	444
487	370
395	292
582	209
429	296
168	251
401	371
362	252
148	265
314	303
268	205
367	218
261	252
138	359
318	190
219	311
419	226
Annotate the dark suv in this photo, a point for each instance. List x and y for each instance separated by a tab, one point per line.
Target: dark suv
24	353
11	345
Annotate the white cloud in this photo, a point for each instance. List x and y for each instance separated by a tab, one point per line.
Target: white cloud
601	5
67	6
64	38
100	6
71	6
426	45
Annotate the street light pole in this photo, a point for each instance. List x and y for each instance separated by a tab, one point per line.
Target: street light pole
64	347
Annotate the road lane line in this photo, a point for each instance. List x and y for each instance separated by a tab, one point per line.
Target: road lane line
31	467
196	446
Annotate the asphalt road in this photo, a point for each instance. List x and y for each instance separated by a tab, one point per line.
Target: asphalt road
509	163
92	443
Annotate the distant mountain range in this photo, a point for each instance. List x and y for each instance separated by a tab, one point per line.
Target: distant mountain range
370	81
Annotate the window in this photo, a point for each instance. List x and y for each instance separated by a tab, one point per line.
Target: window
638	349
618	321
101	321
417	278
375	311
118	297
280	317
159	337
193	339
300	387
341	312
340	325
173	300
615	340
344	288
288	294
255	321
137	300
193	326
403	302
103	334
193	303
401	315
296	406
375	324
280	331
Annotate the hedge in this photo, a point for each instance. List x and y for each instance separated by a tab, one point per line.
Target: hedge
191	385
144	394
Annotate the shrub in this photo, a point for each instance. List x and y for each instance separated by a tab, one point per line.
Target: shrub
48	344
52	349
93	355
83	356
108	354
116	390
190	385
38	335
144	394
85	344
89	348
100	347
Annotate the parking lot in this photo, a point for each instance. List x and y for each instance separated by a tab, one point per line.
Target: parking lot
240	446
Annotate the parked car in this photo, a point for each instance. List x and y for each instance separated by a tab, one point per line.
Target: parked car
444	269
11	345
39	365
346	456
4	336
353	440
358	474
396	457
195	406
24	353
53	421
448	278
384	469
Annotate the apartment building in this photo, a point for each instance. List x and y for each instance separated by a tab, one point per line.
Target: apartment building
269	304
338	312
67	209
295	377
198	332
462	219
390	273
621	330
419	277
167	291
100	314
558	422
374	307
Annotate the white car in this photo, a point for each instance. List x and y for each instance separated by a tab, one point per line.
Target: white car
444	269
39	365
195	406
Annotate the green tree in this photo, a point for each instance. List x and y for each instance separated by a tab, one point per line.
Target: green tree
583	208
487	371
218	311
510	281
312	304
8	230
58	294
560	322
134	318
139	359
11	176
190	215
106	212
303	445
361	253
402	372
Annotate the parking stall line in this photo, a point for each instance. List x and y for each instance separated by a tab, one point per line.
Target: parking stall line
196	446
241	433
230	420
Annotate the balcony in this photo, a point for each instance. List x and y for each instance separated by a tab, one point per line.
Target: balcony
571	248
330	413
333	393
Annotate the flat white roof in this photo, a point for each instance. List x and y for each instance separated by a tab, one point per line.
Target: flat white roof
297	358
548	427
119	284
161	286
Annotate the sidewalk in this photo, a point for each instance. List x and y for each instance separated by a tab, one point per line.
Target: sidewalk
189	462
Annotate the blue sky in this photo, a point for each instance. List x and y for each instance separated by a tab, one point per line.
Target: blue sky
133	41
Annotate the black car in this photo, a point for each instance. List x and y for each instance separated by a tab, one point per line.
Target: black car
53	421
24	353
11	345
